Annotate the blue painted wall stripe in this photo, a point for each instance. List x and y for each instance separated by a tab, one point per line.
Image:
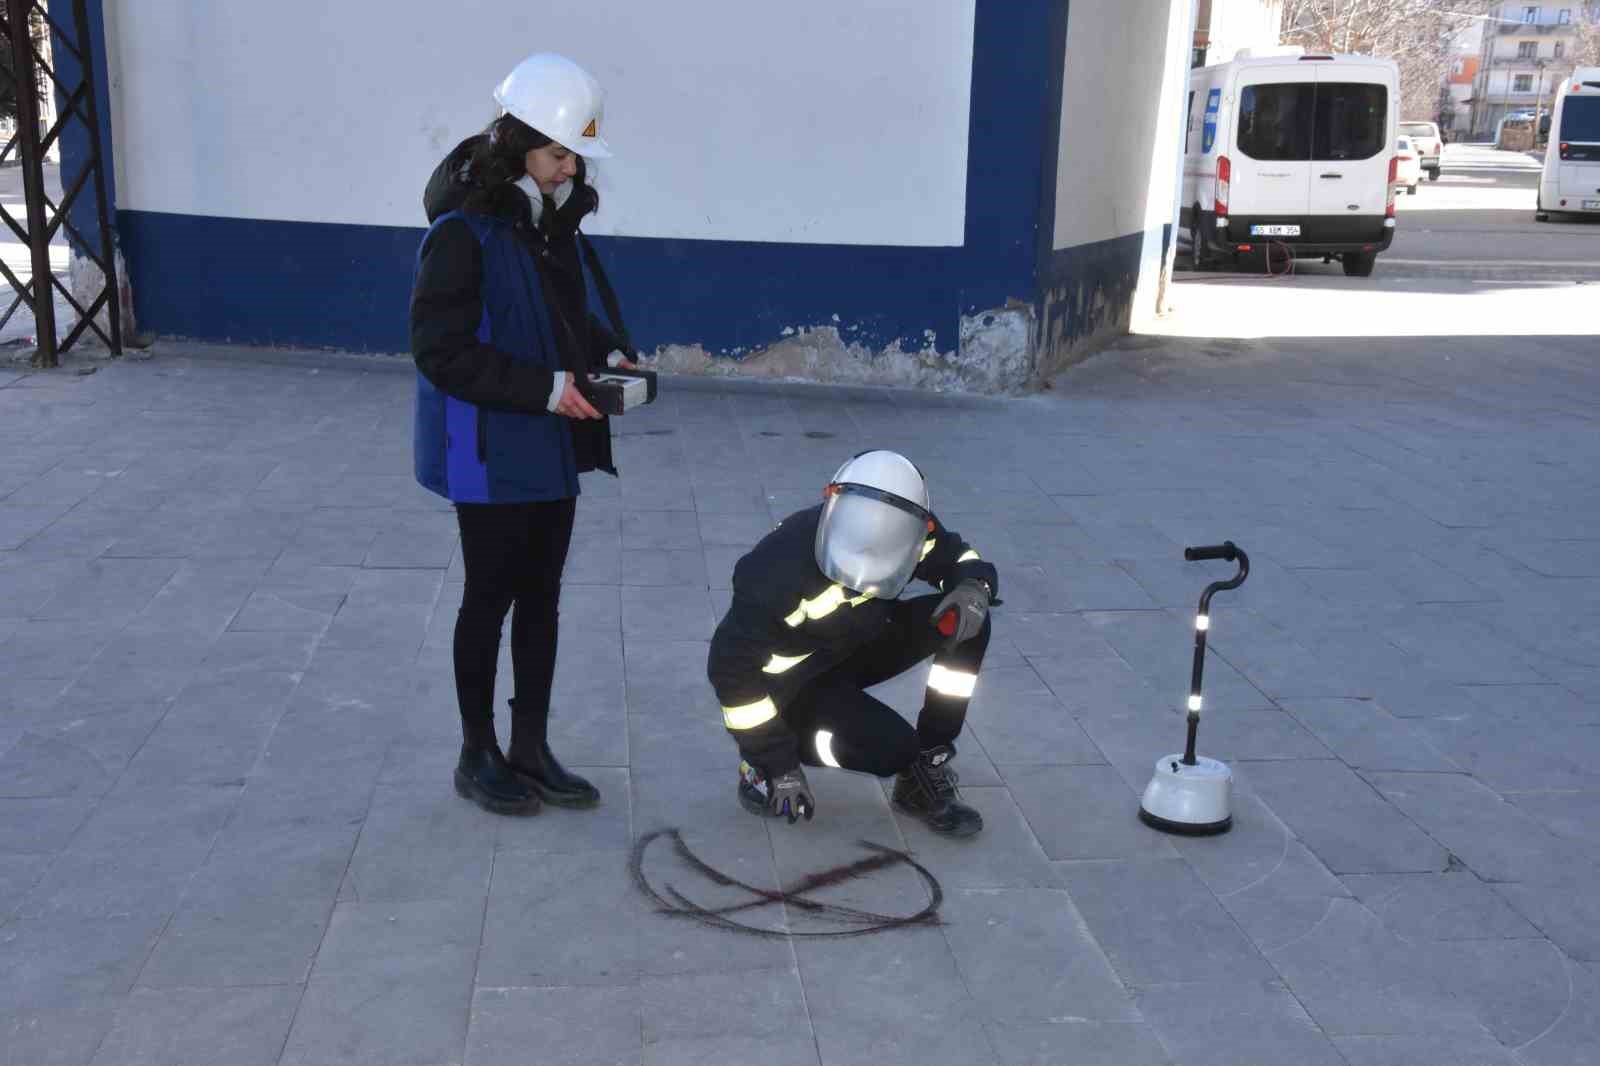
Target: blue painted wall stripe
345	286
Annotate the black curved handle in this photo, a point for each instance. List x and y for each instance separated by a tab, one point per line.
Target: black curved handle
1226	550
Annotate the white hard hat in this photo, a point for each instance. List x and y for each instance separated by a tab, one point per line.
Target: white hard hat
558	98
874	524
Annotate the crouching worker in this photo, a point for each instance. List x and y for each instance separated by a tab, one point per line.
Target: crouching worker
815	621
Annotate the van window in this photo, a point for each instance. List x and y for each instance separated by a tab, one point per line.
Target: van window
1580	119
1275	121
1350	117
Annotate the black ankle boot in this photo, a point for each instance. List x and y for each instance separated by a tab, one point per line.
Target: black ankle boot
483	776
927	789
531	758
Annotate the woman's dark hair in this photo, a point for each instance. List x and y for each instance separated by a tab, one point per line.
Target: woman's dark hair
500	158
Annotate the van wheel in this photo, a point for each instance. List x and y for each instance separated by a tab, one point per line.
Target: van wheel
1359	264
1541	216
1433	173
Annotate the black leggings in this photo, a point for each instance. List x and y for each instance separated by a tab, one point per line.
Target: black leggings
840	725
514	554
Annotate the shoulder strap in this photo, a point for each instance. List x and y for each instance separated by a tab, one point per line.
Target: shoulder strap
608	295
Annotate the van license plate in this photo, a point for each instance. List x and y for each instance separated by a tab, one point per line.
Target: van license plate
1591	205
1274	231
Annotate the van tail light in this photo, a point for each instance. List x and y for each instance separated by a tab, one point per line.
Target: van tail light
1224	182
1394	176
1565	149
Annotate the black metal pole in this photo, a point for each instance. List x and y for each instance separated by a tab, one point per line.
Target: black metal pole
97	160
1202	624
27	82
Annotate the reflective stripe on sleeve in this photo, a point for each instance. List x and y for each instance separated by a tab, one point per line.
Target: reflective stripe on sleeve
750	715
948	682
779	664
927	548
823	604
968	556
825	749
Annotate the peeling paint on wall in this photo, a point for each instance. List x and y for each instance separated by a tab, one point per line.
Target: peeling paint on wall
1087	296
995	355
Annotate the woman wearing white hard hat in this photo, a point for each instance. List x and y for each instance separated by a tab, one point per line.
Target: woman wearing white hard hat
504	341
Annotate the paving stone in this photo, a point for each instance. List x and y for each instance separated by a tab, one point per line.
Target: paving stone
1021	722
1367	737
200	1026
1005	855
1572	816
1159	924
1450	906
54	1036
421	845
558	829
1571	1039
669	676
1084	812
384	1020
695	1018
1355	977
565	919
1078	1043
215	941
569	1026
1234	1023
1496	840
1454	1049
679	613
67	961
1342	819
1026	956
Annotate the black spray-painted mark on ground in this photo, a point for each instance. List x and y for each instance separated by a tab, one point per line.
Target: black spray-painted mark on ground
673	903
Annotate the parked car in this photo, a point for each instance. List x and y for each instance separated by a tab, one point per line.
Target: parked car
1408	165
1429	143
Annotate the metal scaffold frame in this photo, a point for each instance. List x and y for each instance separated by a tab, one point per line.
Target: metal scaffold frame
30	76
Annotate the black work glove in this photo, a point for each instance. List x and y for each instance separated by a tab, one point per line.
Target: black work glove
789	796
970	602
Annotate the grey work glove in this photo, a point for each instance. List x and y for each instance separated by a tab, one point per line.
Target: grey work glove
789	796
970	602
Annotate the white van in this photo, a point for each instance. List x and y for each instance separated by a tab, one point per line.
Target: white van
1292	149
1571	178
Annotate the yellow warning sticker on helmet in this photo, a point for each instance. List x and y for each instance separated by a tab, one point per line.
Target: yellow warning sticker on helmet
592	129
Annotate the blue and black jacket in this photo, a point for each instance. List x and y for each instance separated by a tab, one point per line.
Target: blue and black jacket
499	305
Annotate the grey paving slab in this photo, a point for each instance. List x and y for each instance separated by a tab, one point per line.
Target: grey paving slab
1342	819
1573	816
1234	1023
1084	812
66	961
581	1026
669	676
1559	907
421	844
1078	1043
1021	722
215	941
1366	736
1571	1038
1454	905
1446	1050
1495	839
54	1036
561	920
1159	924
199	1026
381	1020
695	1018
1026	956
556	829
1005	855
648	613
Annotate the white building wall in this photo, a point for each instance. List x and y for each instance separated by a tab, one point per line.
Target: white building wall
836	122
1238	24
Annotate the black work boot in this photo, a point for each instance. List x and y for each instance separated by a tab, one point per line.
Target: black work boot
927	789
483	776
531	758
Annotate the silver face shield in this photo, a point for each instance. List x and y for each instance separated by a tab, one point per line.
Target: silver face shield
868	544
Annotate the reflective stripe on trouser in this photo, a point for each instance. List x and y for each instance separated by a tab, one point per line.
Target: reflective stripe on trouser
750	715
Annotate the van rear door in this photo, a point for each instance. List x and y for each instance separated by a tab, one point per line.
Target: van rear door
1578	142
1272	142
1350	142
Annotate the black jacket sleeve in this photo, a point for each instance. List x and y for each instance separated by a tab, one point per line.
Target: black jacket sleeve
949	560
446	308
